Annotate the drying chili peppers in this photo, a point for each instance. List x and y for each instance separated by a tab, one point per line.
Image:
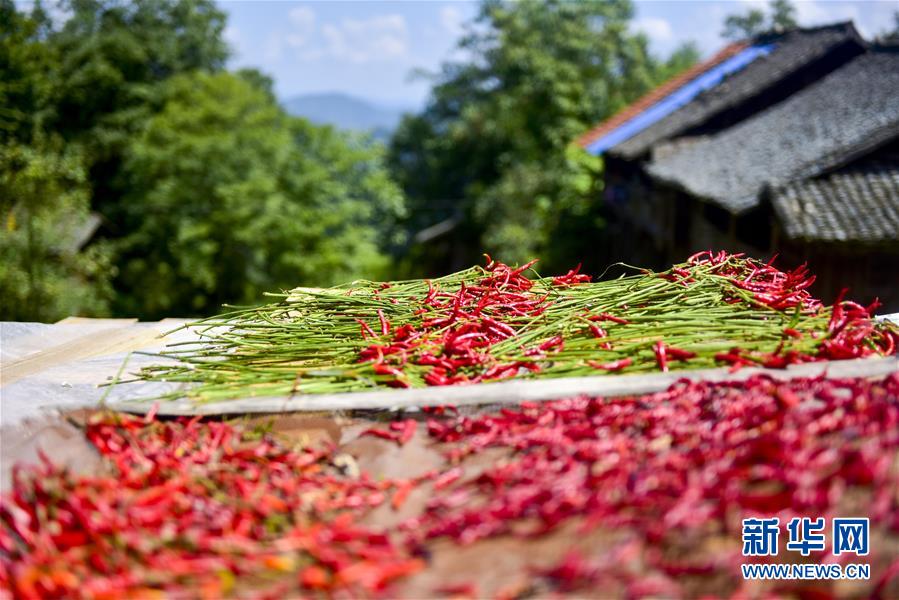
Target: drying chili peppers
495	322
672	468
194	508
191	507
460	329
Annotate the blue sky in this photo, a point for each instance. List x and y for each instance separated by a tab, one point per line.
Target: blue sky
369	49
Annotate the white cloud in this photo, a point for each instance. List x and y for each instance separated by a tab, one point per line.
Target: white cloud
381	37
452	21
816	13
302	17
232	35
302	20
871	18
657	30
273	49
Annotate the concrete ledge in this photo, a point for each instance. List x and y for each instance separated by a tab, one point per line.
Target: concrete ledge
509	392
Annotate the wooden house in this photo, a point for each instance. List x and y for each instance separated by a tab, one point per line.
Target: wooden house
786	144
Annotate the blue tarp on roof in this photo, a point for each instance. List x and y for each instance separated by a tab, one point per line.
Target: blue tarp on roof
678	98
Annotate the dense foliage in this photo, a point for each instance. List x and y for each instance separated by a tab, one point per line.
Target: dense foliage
246	197
44	188
44	274
139	177
492	150
123	141
781	16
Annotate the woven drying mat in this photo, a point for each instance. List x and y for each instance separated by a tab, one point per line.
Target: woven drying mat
507	392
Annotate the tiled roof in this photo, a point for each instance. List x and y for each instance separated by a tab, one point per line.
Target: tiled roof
830	123
794	51
658	94
853	204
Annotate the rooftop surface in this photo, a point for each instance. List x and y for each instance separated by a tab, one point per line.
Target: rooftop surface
845	115
792	52
659	93
859	204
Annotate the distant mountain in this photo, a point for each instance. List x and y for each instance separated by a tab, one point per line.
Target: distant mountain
345	112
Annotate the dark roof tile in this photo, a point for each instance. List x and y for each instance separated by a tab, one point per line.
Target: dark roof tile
658	93
793	51
850	205
830	123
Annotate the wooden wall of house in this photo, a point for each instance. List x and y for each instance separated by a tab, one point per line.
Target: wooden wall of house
868	272
656	226
636	225
698	225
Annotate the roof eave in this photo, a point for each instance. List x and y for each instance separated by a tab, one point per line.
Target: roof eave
747	203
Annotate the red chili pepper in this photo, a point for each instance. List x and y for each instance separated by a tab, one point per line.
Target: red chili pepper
608	317
401	494
366	330
385	369
459	590
385	324
598	332
432	293
571	278
871	309
685	459
524	267
315	578
733	357
553	342
888	343
660	351
678	354
497	326
407	430
615	365
697	258
447	478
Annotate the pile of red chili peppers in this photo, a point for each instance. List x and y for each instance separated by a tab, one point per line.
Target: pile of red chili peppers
850	325
493	323
195	507
671	471
472	320
765	284
207	508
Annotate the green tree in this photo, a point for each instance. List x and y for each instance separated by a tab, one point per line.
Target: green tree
891	35
112	55
783	15
24	62
683	57
205	190
45	271
231	197
754	22
492	149
113	51
45	274
71	96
